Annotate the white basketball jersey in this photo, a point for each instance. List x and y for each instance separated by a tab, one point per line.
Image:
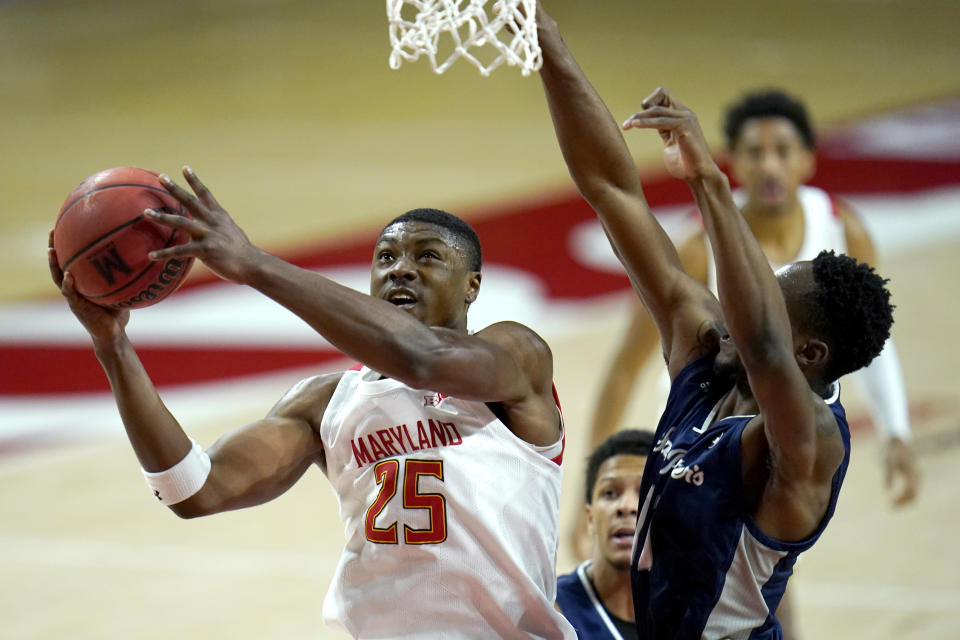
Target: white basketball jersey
822	229
450	519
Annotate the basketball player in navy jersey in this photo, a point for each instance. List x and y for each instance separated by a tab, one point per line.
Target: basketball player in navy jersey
770	142
753	445
402	440
596	597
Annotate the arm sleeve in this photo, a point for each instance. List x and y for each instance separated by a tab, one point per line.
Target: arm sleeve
882	383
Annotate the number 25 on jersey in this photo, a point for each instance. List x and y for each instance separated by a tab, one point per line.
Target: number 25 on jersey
388	476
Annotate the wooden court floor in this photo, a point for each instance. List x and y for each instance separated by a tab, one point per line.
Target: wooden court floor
290	113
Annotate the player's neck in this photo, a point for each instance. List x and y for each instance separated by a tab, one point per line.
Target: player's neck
613	588
738	402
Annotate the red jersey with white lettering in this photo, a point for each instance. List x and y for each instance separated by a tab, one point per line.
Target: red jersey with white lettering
450	519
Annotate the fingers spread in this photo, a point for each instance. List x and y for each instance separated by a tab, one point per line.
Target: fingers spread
186	198
186	250
199	188
195	228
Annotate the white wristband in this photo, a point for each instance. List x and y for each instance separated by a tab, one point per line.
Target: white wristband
183	479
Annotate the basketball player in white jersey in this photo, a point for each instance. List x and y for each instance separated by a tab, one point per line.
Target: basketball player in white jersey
444	449
771	146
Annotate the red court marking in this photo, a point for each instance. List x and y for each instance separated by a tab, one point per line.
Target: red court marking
532	236
40	369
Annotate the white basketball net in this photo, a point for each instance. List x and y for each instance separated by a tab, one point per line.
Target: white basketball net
422	27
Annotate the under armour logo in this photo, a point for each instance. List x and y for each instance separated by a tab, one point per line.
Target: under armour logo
157	494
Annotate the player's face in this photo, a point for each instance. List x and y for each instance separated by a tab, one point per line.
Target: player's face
420	268
796	281
770	161
612	517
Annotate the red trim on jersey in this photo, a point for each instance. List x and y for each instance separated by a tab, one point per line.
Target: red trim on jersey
563	441
833	206
357	367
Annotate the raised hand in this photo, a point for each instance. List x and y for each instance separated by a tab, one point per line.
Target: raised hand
214	237
103	324
686	153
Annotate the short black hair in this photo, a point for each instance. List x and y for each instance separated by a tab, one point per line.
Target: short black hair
850	309
629	442
458	227
768	103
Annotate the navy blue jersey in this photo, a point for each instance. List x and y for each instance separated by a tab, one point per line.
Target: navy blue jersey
702	568
580	605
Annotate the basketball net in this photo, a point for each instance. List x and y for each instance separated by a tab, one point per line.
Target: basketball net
509	35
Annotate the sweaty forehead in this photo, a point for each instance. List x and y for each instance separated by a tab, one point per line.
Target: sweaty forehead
418	232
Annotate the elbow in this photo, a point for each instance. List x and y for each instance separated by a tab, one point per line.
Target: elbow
186	511
196	506
186	514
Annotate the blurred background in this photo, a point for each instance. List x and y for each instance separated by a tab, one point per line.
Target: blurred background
289	112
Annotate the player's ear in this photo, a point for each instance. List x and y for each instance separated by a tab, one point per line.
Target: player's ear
813	353
589	514
473	286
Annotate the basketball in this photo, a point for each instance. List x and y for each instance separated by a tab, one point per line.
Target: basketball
102	237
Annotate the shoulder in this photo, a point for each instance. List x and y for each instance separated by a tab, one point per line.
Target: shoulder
839	208
569	591
308	398
859	243
831	443
517	338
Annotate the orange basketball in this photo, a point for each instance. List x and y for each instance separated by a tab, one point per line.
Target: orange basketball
103	238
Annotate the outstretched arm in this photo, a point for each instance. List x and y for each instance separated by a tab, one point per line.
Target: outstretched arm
753	304
505	363
248	467
637	347
603	170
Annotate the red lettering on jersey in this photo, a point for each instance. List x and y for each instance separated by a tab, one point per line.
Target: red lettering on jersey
387	439
378	451
397	433
437	430
413	447
422	436
455	437
361	455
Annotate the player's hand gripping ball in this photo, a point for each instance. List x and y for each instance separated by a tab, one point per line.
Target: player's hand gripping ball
103	238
